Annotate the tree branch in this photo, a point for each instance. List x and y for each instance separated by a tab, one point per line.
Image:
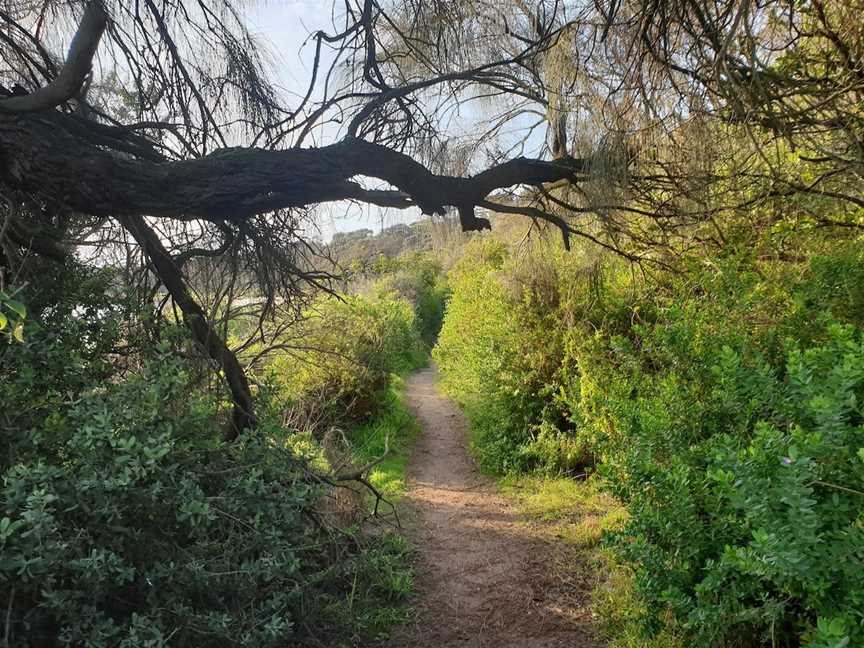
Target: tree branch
41	156
243	415
74	71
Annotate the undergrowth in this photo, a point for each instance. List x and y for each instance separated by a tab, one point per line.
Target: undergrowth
390	569
720	404
393	430
127	520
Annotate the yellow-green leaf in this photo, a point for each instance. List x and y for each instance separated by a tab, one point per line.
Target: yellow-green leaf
18	333
3	321
16	306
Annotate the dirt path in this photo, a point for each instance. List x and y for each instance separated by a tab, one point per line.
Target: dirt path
483	577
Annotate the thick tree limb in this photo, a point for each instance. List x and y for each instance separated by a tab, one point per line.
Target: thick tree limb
74	71
39	155
49	156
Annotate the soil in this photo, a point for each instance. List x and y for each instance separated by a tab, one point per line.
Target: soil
485	576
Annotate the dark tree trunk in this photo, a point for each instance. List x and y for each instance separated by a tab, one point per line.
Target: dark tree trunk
243	415
58	156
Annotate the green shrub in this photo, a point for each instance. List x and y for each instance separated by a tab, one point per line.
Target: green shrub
745	500
476	351
71	329
349	345
417	278
126	520
144	531
501	347
722	406
348	348
735	454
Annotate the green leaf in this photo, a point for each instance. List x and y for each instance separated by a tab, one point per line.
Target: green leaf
8	527
16	306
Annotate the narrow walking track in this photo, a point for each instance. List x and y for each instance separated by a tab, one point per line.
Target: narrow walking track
483	577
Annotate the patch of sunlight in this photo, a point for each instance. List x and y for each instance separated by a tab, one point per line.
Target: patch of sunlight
559	499
393	429
389	476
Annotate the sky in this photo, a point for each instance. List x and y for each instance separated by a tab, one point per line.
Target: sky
282	27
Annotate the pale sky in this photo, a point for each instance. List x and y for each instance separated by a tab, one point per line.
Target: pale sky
282	27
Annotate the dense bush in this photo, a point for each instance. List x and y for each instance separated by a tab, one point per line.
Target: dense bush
349	345
72	328
126	520
742	478
722	406
506	329
477	343
417	278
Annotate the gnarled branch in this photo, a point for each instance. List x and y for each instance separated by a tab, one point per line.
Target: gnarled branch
41	156
71	77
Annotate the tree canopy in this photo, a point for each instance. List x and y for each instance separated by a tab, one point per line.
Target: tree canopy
162	124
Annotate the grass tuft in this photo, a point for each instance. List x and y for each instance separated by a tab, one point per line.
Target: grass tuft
577	514
579	511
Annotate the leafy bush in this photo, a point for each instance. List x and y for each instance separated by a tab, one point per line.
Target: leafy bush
500	352
349	348
125	520
146	530
722	407
745	503
71	329
417	278
351	344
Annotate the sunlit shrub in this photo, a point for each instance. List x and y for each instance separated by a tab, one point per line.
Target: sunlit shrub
500	351
346	351
720	403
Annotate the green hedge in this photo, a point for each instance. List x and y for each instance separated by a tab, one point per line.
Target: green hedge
722	406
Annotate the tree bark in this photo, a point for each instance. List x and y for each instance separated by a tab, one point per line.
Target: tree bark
46	154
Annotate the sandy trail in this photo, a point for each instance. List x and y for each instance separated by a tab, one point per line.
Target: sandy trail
483	578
